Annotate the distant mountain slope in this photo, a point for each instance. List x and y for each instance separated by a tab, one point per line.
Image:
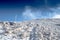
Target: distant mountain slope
39	29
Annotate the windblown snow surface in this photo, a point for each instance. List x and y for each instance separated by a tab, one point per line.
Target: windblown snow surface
39	29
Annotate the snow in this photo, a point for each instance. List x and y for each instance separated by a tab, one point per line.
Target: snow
42	29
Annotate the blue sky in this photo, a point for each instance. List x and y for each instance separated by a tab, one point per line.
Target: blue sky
21	10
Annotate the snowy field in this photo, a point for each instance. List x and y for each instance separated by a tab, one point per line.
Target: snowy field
39	29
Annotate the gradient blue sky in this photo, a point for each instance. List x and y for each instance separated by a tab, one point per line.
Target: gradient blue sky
20	10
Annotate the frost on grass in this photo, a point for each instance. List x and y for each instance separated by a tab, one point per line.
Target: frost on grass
42	29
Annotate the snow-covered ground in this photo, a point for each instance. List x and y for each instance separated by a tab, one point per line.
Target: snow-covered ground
39	29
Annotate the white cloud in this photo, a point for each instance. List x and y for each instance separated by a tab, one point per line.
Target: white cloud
56	16
28	14
56	12
31	13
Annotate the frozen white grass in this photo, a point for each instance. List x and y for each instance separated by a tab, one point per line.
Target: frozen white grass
39	29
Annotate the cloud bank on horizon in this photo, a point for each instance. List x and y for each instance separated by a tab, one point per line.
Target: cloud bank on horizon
56	12
56	16
30	13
